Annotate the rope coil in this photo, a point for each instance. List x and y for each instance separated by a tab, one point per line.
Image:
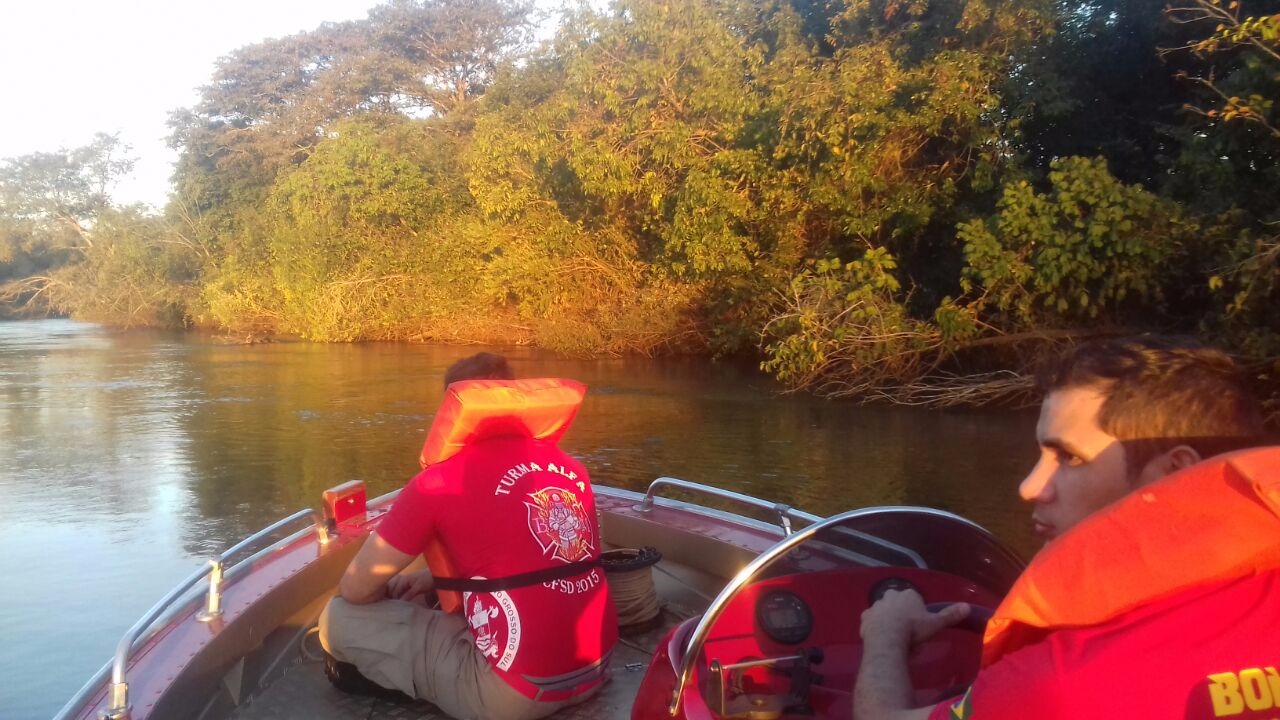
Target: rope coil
630	575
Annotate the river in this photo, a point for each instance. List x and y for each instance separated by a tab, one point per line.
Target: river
126	458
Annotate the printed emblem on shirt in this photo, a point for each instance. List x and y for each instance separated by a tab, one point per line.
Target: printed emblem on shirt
962	709
560	524
495	625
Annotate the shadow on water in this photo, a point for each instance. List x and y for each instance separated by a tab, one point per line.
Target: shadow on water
125	458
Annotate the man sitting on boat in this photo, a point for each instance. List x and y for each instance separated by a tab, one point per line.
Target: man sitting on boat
1156	593
505	518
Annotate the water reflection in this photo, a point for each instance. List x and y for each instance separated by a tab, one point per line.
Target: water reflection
126	458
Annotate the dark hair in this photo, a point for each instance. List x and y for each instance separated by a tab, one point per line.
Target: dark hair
481	366
1161	392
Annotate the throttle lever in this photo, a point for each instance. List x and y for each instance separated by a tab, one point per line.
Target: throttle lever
975	622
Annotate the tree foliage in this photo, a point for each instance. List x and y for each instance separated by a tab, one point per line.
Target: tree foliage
139	272
356	245
1075	254
50	203
840	317
892	198
59	194
449	52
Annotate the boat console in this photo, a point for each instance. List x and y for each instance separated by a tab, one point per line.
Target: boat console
782	639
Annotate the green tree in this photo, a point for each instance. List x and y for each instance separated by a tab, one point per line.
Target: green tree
139	271
664	177
61	193
1097	86
1087	250
843	331
354	235
450	51
259	115
1230	165
623	145
49	205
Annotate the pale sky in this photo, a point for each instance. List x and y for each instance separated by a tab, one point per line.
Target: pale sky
71	68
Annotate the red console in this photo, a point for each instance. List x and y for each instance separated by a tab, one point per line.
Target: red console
790	647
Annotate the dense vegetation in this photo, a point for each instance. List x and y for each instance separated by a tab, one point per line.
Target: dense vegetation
897	198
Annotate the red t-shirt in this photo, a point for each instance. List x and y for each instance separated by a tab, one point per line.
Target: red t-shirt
506	506
1206	654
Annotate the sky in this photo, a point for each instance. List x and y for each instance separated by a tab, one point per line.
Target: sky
72	68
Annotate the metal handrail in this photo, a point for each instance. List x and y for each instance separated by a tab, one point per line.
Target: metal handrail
119	692
785	512
91	687
698	637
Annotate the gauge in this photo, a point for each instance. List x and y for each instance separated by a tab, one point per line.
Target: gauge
784	617
885	585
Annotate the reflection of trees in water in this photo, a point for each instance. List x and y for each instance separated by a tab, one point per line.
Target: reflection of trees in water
283	422
710	424
243	435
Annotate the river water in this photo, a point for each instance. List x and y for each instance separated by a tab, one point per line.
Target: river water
126	458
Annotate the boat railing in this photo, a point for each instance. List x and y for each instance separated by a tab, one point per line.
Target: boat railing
118	707
784	512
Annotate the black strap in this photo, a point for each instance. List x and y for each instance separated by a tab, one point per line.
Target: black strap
535	577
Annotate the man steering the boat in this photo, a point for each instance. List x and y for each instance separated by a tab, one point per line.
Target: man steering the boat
1155	593
508	526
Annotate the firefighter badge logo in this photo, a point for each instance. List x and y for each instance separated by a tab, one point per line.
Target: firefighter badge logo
560	524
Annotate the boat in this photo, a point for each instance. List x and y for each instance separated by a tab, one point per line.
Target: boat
760	606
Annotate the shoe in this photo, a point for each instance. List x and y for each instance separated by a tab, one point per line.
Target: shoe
347	678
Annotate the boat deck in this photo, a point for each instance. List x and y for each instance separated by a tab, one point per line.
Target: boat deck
303	692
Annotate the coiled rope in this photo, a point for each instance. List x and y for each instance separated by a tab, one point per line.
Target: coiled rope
306	652
630	577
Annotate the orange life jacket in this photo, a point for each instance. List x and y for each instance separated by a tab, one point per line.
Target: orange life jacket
539	408
473	410
1209	524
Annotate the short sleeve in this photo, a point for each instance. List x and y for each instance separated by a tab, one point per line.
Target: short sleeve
408	525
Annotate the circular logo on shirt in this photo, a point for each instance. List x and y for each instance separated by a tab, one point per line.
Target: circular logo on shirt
495	625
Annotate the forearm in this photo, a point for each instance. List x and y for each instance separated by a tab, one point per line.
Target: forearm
360	590
366	578
883	690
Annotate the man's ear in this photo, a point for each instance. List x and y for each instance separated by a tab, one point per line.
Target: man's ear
1168	462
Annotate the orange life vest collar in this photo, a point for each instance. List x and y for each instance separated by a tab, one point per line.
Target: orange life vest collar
473	410
1212	523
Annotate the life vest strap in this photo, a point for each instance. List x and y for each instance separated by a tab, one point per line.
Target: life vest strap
510	582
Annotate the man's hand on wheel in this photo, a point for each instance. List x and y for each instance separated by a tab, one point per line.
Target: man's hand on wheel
900	616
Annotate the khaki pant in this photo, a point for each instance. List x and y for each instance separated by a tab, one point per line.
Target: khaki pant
427	654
